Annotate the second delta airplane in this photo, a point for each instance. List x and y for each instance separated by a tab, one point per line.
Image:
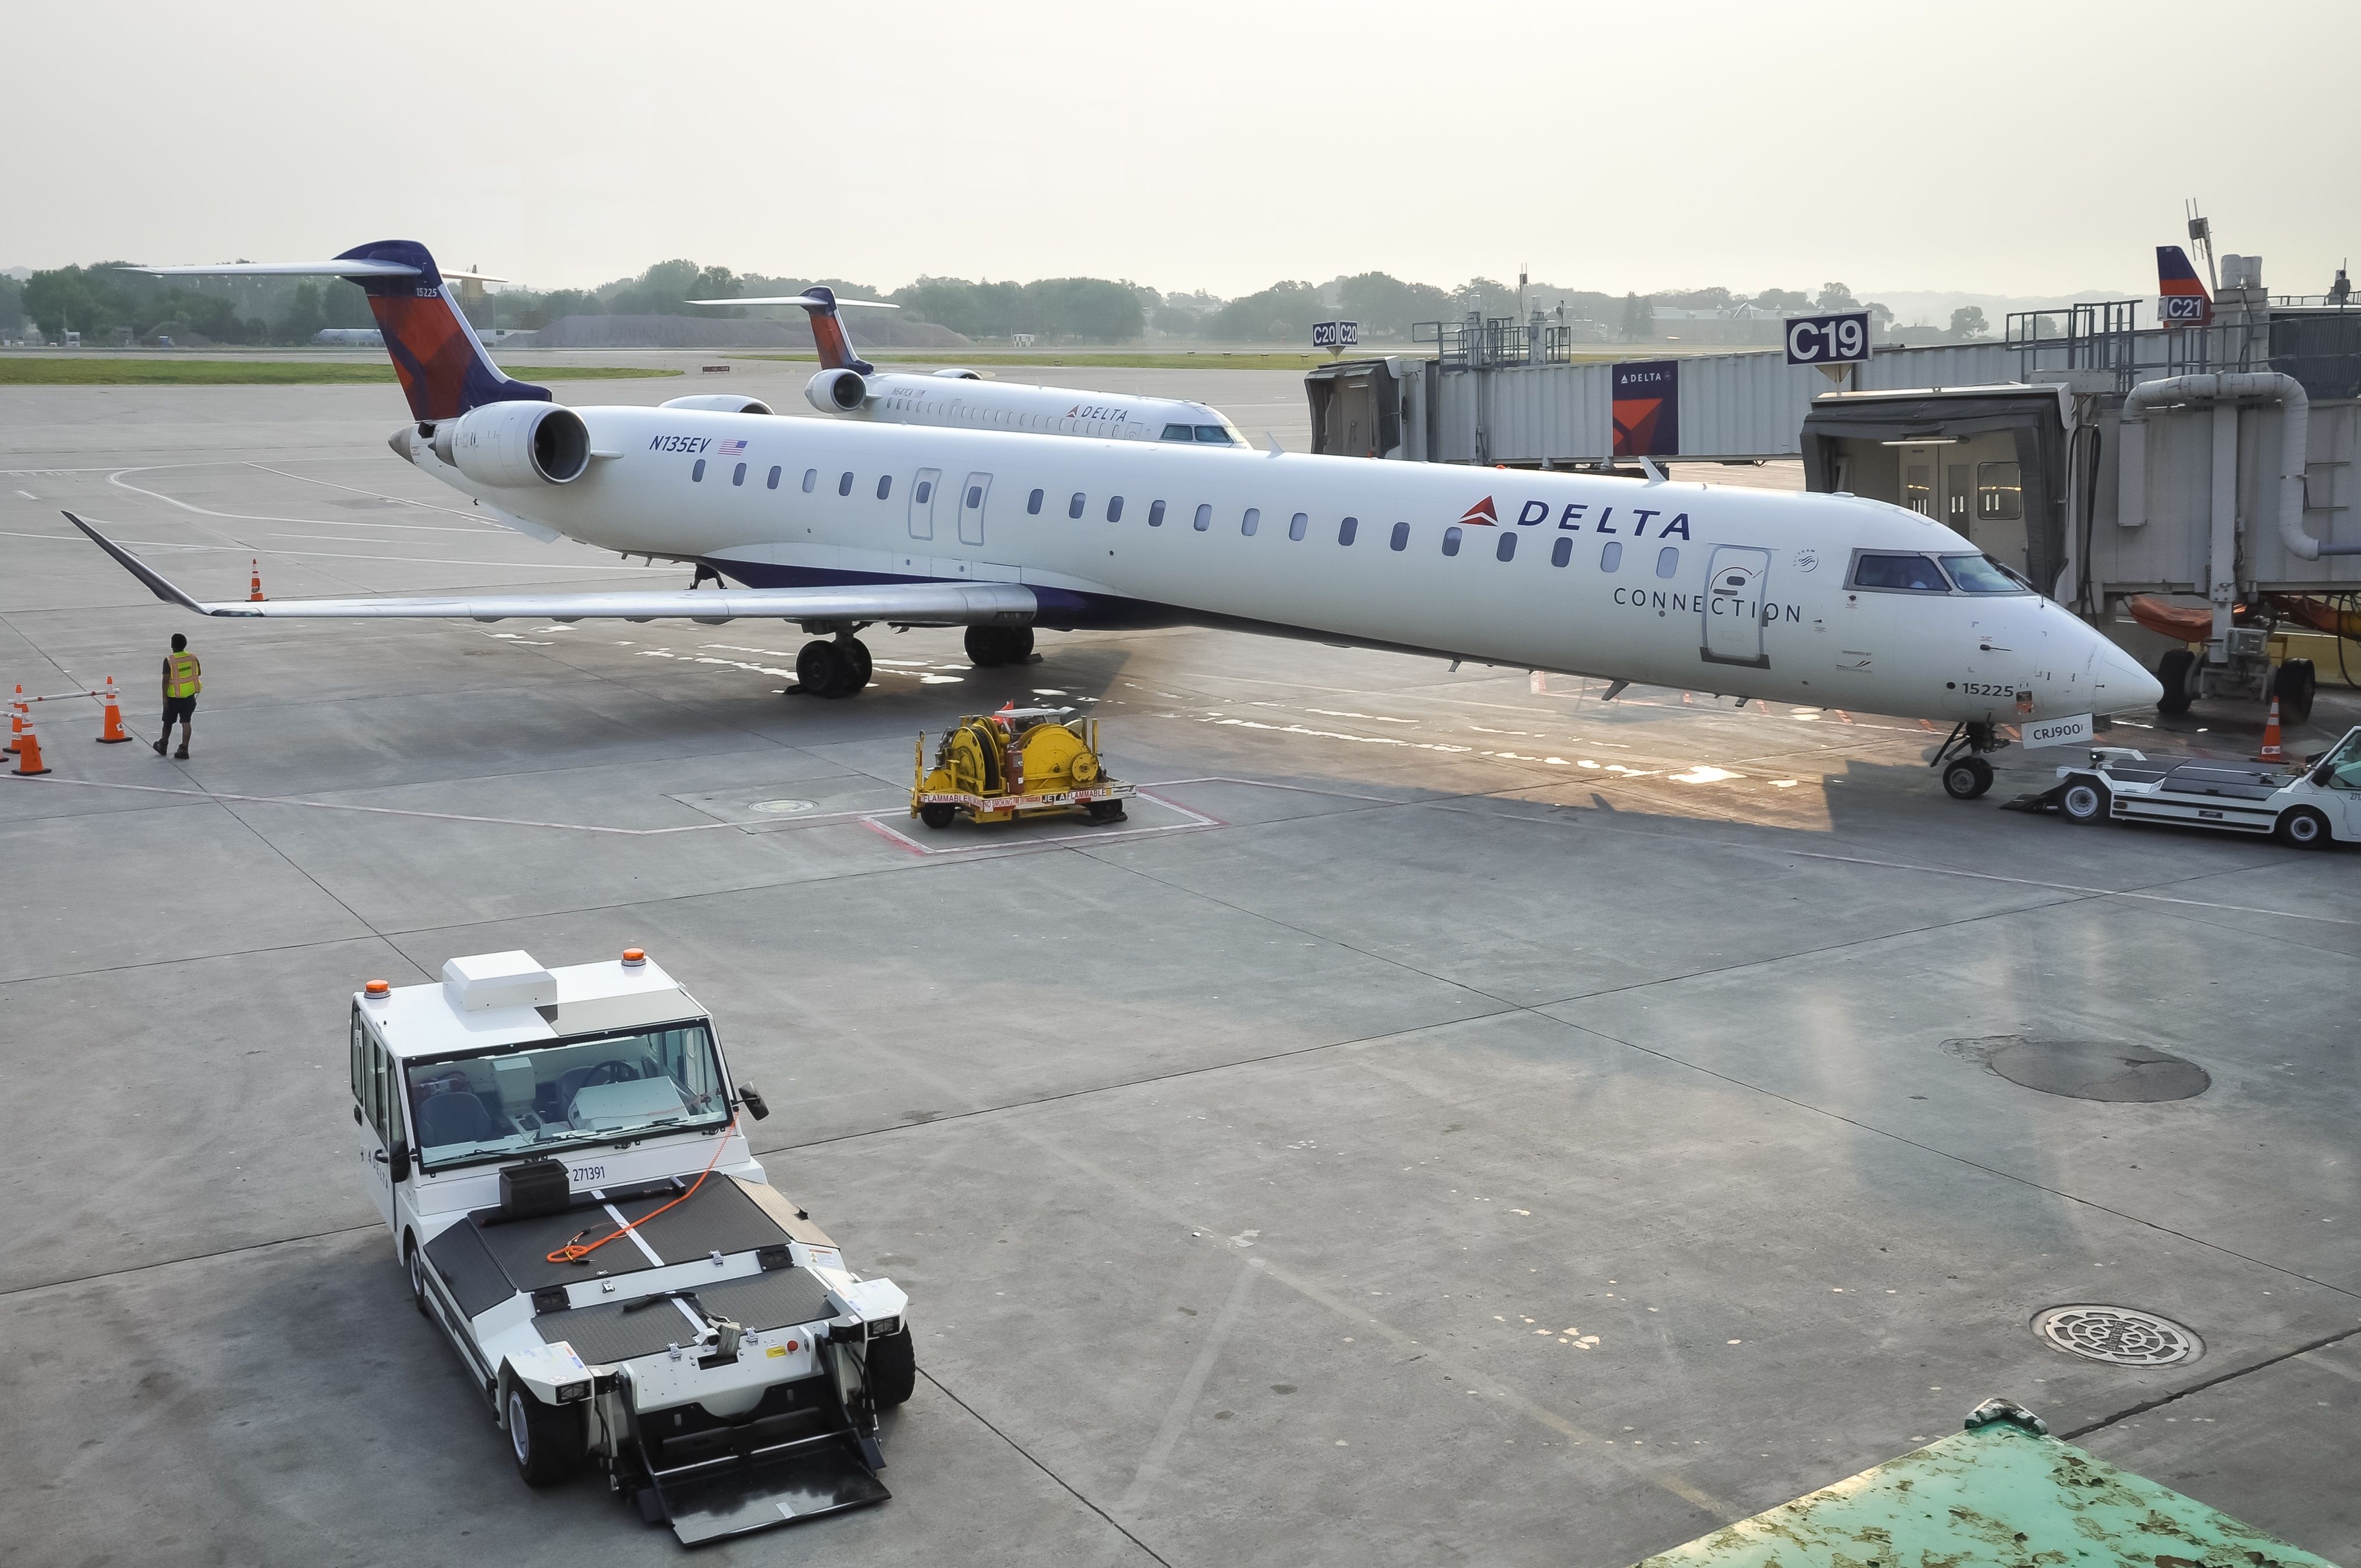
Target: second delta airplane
1831	601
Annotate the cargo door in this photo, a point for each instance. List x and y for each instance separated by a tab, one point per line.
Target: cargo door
1736	578
973	496
922	503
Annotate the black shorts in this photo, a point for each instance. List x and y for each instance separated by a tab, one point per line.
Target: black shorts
178	710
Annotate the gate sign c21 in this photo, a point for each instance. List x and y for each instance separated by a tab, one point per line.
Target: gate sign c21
1839	339
1335	335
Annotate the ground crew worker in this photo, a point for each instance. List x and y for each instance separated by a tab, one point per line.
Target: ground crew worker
183	679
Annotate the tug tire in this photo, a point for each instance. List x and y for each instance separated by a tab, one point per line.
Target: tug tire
2305	828
893	1366
2082	801
938	815
545	1441
414	1260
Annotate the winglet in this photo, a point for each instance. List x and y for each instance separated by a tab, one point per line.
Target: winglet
1276	449
158	584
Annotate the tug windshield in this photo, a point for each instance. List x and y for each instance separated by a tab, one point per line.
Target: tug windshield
515	1101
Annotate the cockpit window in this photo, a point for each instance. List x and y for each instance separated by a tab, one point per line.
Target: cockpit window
1176	433
1215	436
1907	574
1981	575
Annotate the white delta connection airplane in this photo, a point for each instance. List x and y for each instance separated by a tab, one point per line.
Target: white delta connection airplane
848	387
836	526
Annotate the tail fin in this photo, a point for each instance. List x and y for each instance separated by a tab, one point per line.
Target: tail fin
443	369
828	332
2182	300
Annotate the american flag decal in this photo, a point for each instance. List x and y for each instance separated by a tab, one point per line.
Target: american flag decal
729	448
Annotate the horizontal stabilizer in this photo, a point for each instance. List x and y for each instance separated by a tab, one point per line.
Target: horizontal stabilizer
804	300
901	604
286	270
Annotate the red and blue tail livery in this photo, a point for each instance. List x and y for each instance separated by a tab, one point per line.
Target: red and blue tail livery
827	333
443	369
2181	297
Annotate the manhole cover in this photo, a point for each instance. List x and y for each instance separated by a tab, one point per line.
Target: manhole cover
2119	1335
2097	1070
782	807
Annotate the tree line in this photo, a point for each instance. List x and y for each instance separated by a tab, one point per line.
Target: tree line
104	304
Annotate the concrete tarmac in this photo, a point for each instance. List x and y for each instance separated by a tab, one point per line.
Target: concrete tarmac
1455	1119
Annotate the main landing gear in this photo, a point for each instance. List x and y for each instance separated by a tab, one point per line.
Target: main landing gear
832	668
1965	773
989	646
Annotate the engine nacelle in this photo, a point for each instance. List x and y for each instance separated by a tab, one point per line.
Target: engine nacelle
720	403
836	391
511	443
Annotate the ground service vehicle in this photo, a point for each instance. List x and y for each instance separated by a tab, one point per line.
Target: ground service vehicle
559	1158
1019	761
2311	806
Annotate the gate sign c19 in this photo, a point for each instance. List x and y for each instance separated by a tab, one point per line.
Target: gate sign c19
1335	335
1839	339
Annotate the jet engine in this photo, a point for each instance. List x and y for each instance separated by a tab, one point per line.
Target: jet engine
508	443
836	391
720	403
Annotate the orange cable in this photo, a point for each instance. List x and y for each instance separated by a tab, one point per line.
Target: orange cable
575	1251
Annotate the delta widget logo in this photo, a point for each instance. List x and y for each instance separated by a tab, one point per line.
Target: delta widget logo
1482	512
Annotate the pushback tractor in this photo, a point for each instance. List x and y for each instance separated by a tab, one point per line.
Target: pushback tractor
559	1156
2311	806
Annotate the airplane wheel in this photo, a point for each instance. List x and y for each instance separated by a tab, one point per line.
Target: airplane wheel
1967	777
936	816
2084	802
2305	828
857	665
822	669
2172	673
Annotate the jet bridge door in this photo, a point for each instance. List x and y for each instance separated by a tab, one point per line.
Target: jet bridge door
1735	581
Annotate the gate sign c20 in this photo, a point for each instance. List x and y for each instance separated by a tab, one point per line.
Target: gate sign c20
1841	339
1335	335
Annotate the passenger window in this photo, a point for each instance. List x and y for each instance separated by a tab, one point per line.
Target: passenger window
811	478
1508	550
1033	504
1668	560
697	475
1074	506
1610	556
739	476
1562	552
1204	519
1115	509
1297	524
1450	538
1906	574
884	485
975	496
1252	521
844	486
1177	433
925	489
1156	515
1347	529
772	482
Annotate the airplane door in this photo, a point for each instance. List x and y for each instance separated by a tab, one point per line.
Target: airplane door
922	502
1735	580
972	495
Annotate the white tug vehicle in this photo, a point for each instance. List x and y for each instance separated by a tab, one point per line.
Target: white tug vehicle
558	1155
2310	805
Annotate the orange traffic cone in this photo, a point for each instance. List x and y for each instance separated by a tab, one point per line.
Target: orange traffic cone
28	756
254	594
16	719
111	732
2270	751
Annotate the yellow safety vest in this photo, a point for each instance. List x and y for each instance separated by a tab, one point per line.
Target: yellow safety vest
187	676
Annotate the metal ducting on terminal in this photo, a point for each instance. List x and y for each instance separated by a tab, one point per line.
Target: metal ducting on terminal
1852	441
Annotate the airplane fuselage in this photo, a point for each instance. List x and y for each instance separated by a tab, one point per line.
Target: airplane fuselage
1743	593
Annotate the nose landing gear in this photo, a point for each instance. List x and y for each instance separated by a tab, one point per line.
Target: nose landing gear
1965	773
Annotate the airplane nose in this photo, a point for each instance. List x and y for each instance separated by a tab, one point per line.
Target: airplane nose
2117	682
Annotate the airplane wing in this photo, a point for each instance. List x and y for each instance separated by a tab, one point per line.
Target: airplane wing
899	604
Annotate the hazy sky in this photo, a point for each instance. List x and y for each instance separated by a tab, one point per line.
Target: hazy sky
2020	148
